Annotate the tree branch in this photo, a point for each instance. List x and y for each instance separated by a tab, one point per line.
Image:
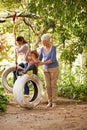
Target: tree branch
8	14
27	23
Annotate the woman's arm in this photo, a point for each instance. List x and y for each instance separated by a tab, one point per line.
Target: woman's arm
52	57
45	62
35	59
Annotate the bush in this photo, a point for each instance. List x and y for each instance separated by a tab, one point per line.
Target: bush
3	102
71	87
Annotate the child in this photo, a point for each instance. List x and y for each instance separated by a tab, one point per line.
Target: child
32	59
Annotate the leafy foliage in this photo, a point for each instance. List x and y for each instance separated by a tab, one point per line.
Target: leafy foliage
3	99
9	4
3	102
65	20
72	85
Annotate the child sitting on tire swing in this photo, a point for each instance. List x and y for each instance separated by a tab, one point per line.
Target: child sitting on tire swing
32	59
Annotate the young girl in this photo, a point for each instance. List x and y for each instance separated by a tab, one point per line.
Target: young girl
32	59
22	50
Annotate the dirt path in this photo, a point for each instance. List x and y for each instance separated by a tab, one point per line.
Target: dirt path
66	116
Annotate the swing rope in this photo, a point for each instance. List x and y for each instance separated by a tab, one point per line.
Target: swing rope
14	32
28	25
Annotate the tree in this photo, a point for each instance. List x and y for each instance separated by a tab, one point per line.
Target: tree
65	20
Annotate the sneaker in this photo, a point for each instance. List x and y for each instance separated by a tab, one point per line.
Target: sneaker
54	105
49	104
27	98
20	73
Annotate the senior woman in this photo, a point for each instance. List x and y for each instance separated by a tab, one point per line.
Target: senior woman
50	64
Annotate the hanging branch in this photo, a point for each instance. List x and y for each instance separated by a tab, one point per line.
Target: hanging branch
7	14
27	23
39	34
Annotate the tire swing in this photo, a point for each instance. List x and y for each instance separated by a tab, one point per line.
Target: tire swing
9	87
18	91
18	88
5	74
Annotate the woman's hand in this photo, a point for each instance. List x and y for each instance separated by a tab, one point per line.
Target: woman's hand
16	49
45	62
40	63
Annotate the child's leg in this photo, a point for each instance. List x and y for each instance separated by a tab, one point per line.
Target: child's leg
34	68
15	72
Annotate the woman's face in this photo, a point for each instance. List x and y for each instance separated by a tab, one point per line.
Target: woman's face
19	43
46	43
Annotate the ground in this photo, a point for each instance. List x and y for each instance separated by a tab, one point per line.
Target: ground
67	115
